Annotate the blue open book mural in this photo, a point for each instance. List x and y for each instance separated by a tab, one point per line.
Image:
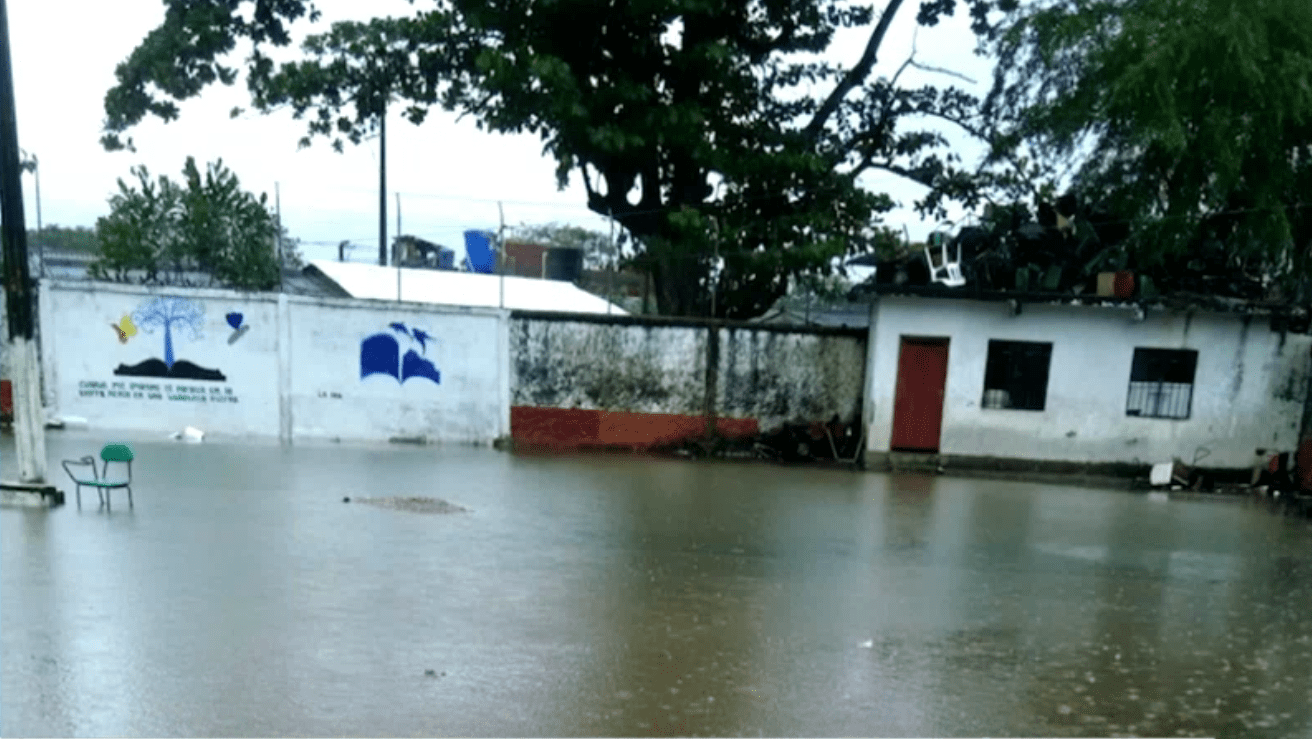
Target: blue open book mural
380	354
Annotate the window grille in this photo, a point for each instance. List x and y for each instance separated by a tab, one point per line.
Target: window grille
1162	383
1016	375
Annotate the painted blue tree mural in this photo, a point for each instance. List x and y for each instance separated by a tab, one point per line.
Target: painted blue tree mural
169	313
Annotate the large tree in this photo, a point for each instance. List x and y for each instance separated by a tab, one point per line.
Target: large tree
690	122
1189	121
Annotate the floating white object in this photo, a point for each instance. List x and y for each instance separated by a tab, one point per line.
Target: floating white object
1161	474
868	644
190	434
946	271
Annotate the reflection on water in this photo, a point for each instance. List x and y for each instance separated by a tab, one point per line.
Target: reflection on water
625	597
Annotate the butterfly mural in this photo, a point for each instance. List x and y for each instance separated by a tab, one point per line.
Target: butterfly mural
238	328
125	329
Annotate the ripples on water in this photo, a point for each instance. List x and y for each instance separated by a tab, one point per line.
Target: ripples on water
618	597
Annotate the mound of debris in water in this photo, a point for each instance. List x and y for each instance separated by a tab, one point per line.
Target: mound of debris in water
412	504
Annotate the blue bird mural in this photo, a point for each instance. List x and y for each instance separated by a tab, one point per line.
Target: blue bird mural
422	337
399	328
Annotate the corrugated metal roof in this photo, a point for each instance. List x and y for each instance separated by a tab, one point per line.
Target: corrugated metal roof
462	288
851	316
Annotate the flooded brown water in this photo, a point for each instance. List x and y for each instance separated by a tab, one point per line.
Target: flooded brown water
607	596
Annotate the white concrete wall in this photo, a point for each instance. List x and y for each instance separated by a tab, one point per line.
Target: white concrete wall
82	352
1248	388
330	399
293	369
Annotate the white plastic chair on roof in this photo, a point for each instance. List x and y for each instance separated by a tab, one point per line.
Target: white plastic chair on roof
946	271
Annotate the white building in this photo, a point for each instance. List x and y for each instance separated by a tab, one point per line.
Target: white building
972	381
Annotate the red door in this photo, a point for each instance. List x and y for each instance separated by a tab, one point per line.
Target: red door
922	373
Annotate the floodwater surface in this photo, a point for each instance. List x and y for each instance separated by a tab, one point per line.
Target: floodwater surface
614	596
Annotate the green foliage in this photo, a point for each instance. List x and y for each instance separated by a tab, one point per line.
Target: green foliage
160	231
1189	120
693	124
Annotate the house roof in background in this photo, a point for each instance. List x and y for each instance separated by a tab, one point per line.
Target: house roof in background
311	283
850	315
466	289
65	265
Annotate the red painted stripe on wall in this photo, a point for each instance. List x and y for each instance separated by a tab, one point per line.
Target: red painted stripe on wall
553	426
573	427
6	399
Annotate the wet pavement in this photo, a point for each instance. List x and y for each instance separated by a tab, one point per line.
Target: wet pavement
612	596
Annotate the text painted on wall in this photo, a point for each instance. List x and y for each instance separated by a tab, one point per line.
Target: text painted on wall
155	391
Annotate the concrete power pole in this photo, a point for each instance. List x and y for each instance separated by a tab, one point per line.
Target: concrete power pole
277	219
501	251
382	187
29	424
396	251
40	238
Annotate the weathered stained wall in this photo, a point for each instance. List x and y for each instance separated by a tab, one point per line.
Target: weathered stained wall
604	381
270	365
780	377
1249	385
607	366
5	372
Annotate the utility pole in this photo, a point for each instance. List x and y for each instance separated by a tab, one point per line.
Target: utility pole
29	426
396	253
501	248
40	238
277	218
715	266
382	186
610	268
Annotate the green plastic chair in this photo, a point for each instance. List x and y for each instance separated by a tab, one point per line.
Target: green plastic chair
121	453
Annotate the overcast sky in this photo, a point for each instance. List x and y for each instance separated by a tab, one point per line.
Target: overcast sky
450	175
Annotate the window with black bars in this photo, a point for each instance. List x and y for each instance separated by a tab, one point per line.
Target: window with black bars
1162	383
1016	375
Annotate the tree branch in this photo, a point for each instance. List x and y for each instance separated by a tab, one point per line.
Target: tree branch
587	181
909	174
856	75
941	70
964	126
